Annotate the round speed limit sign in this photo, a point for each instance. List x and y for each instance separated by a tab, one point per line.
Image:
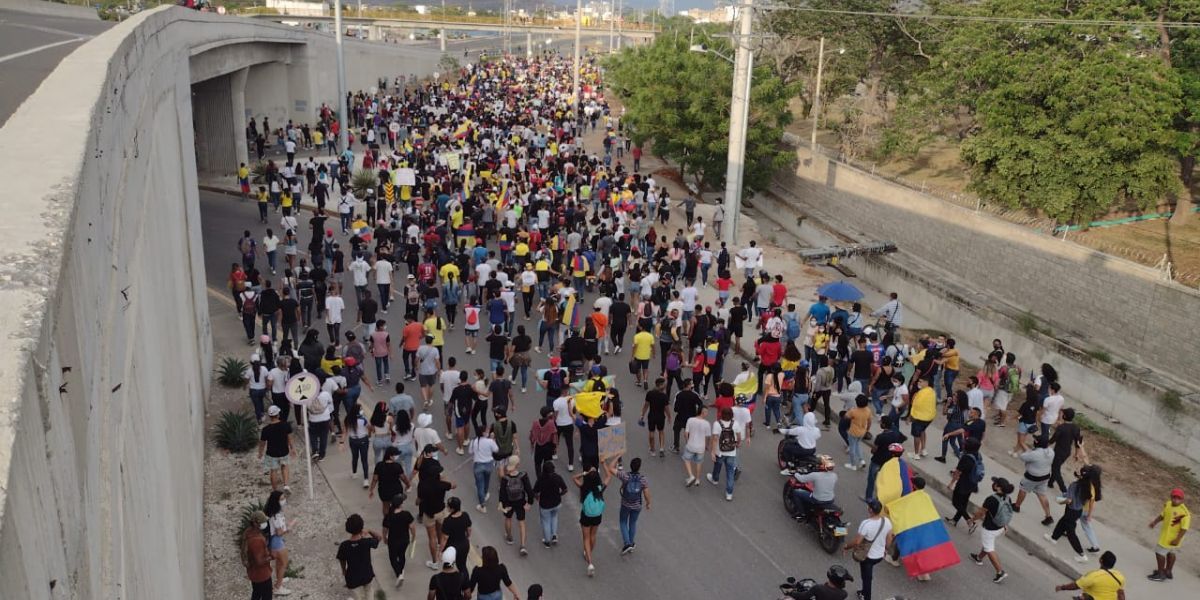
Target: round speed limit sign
302	388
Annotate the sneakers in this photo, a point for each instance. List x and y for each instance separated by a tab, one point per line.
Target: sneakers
914	456
523	551
1093	550
553	457
591	570
366	483
570	468
941	459
626	549
891	561
662	453
977	558
432	565
1082	558
554	541
1049	538
508	540
850	466
710	479
400	580
1001	576
728	497
522	390
1048	521
481	508
282	591
1156	576
689	481
546	544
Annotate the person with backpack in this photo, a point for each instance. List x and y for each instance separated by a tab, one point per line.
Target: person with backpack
591	483
256	558
248	299
516	494
248	248
727	436
635	496
995	514
964	481
1008	386
1075	499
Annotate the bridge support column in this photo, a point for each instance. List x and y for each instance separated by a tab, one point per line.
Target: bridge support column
237	93
528	44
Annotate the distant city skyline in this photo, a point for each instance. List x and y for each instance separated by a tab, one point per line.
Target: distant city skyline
680	5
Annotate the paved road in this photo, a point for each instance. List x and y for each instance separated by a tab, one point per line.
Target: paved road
692	544
31	46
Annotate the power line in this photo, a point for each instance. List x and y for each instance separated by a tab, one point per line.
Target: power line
1010	20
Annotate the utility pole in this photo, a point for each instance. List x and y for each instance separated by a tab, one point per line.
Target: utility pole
612	23
621	21
817	95
738	121
575	79
344	136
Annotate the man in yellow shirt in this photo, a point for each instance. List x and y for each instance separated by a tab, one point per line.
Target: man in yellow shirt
924	410
447	270
1175	519
950	368
1105	583
643	351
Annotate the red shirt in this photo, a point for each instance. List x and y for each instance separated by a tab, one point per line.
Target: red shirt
768	351
778	294
412	335
723	402
724	284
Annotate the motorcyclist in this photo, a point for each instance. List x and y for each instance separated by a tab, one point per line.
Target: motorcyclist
824	483
834	587
805	447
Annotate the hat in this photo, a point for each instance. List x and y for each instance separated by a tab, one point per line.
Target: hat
1005	486
896	449
273	411
411	276
424	420
328	232
351	361
1177	493
449	555
555	361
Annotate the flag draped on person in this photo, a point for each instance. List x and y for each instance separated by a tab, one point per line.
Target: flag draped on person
893	480
570	312
921	537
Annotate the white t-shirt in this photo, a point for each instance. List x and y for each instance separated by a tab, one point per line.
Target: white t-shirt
697	431
483	449
467	310
383	272
739	432
603	303
449	381
425	436
325	400
741	417
261	384
360	268
899	393
270	243
334	305
876	530
562	411
279	379
1050	408
975	399
688	296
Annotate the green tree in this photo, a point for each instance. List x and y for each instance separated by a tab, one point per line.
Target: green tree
1071	120
679	101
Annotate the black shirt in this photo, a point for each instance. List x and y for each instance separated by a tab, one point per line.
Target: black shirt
431	495
658	401
991	505
618	315
369	307
487	580
357	555
522	343
396	524
455	528
389	479
276	436
862	361
975	429
549	490
268	302
589	441
289	307
497	343
881	454
500	388
965	468
463	397
447	586
687	405
1064	438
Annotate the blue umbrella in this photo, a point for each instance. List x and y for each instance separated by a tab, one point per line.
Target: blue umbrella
840	291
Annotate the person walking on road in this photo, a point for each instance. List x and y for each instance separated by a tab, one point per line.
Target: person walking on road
549	491
516	494
696	440
354	555
591	483
256	558
399	530
1175	519
1036	479
727	436
995	514
873	537
635	496
488	579
1078	494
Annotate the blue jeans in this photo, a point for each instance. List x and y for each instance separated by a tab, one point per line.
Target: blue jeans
256	398
272	259
496	363
730	463
798	402
483	478
872	471
406	459
383	367
773	403
856	456
803	499
549	518
704	273
496	595
352	394
953	442
949	377
877	400
628	521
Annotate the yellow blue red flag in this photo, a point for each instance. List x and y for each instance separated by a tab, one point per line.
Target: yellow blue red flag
921	537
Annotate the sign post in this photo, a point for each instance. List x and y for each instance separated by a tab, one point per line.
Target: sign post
300	390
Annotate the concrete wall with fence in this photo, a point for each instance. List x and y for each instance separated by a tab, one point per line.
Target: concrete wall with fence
103	302
1119	333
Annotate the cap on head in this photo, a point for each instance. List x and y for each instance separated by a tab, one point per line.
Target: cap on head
351	361
555	361
449	555
273	411
1177	494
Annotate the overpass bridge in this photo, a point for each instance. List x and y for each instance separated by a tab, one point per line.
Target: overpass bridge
376	26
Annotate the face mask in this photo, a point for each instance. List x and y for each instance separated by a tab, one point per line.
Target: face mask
282	502
264	527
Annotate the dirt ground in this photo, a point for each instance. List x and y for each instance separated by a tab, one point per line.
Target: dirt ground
234	481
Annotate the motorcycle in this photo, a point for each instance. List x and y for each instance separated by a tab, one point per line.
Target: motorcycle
794	588
826	519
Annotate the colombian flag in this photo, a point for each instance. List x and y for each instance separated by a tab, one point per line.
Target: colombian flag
570	312
588	403
363	230
749	387
893	481
466	233
921	536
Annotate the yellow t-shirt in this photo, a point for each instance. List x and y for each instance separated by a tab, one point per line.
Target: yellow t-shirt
262	198
1175	519
542	266
328	365
1102	584
643	345
243	173
924	405
521	250
285	200
432	329
951	356
449	269
456	218
317	137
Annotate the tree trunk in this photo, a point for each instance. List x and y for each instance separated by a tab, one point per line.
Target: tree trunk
1183	203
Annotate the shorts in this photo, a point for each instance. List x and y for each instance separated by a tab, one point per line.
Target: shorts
586	521
988	537
430	521
471	332
461	421
1035	487
274	463
276	543
1000	399
693	457
642	365
918	427
1162	550
1027	428
427	380
656	423
517	510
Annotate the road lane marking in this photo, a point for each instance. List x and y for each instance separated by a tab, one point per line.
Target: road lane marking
221	296
37	49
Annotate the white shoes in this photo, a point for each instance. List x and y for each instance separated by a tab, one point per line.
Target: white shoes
366	483
851	466
400	580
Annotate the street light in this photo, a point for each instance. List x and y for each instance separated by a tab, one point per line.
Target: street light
817	95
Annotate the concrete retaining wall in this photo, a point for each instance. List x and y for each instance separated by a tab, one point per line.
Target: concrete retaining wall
103	308
974	275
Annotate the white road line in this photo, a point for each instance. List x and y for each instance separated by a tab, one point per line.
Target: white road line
16	55
64	32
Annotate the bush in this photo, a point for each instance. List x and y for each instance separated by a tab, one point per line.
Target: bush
1171	401
1100	355
232	372
236	431
362	181
258	172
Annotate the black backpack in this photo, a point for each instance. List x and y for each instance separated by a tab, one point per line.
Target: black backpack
727	441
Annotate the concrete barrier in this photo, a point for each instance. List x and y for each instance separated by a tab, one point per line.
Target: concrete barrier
103	303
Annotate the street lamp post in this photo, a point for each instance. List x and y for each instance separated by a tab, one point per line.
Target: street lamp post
738	121
344	139
817	91
575	80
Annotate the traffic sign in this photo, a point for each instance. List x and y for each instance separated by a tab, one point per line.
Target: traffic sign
302	388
